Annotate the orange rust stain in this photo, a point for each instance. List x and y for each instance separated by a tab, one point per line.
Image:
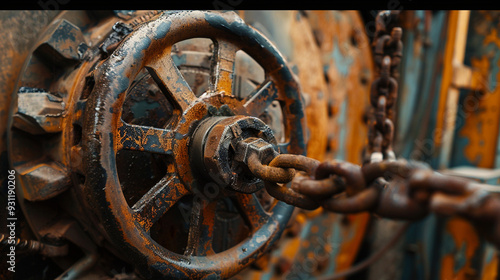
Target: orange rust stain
197	112
307	57
305	244
357	91
314	229
492	37
352	236
310	214
300	218
291	248
490	269
446	76
463	234
208	220
343	32
482	114
226	55
481	122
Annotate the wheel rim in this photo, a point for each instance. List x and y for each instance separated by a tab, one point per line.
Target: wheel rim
106	133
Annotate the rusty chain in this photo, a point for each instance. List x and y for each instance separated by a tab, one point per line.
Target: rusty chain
387	51
396	189
390	188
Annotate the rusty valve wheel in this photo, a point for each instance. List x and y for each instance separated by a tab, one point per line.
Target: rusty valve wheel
189	138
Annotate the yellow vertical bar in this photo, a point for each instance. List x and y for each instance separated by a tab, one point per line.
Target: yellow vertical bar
454	56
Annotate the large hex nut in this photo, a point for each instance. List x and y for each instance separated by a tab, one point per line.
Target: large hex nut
215	145
264	150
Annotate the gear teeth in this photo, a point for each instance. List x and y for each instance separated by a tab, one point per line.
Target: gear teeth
38	111
63	44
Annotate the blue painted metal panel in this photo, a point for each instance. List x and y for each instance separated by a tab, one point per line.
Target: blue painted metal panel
418	142
480	27
412	65
417	110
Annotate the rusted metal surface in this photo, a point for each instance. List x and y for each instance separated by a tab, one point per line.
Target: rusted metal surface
374	258
464	252
348	65
58	126
114	76
218	142
147	127
411	192
489	268
308	60
477	116
269	173
318	188
20	31
459	264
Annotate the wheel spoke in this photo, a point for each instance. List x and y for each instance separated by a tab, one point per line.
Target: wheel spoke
251	210
201	228
171	81
221	78
158	200
261	98
144	138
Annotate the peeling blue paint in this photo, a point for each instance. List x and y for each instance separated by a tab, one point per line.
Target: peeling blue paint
425	108
162	30
334	239
409	86
342	62
179	59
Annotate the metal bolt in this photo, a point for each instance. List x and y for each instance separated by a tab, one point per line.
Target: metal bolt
254	145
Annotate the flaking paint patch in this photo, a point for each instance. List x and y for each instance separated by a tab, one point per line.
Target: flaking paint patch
179	59
162	29
342	62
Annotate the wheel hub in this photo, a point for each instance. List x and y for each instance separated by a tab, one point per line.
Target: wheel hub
213	147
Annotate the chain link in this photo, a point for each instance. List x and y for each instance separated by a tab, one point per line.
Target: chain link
278	171
388	50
